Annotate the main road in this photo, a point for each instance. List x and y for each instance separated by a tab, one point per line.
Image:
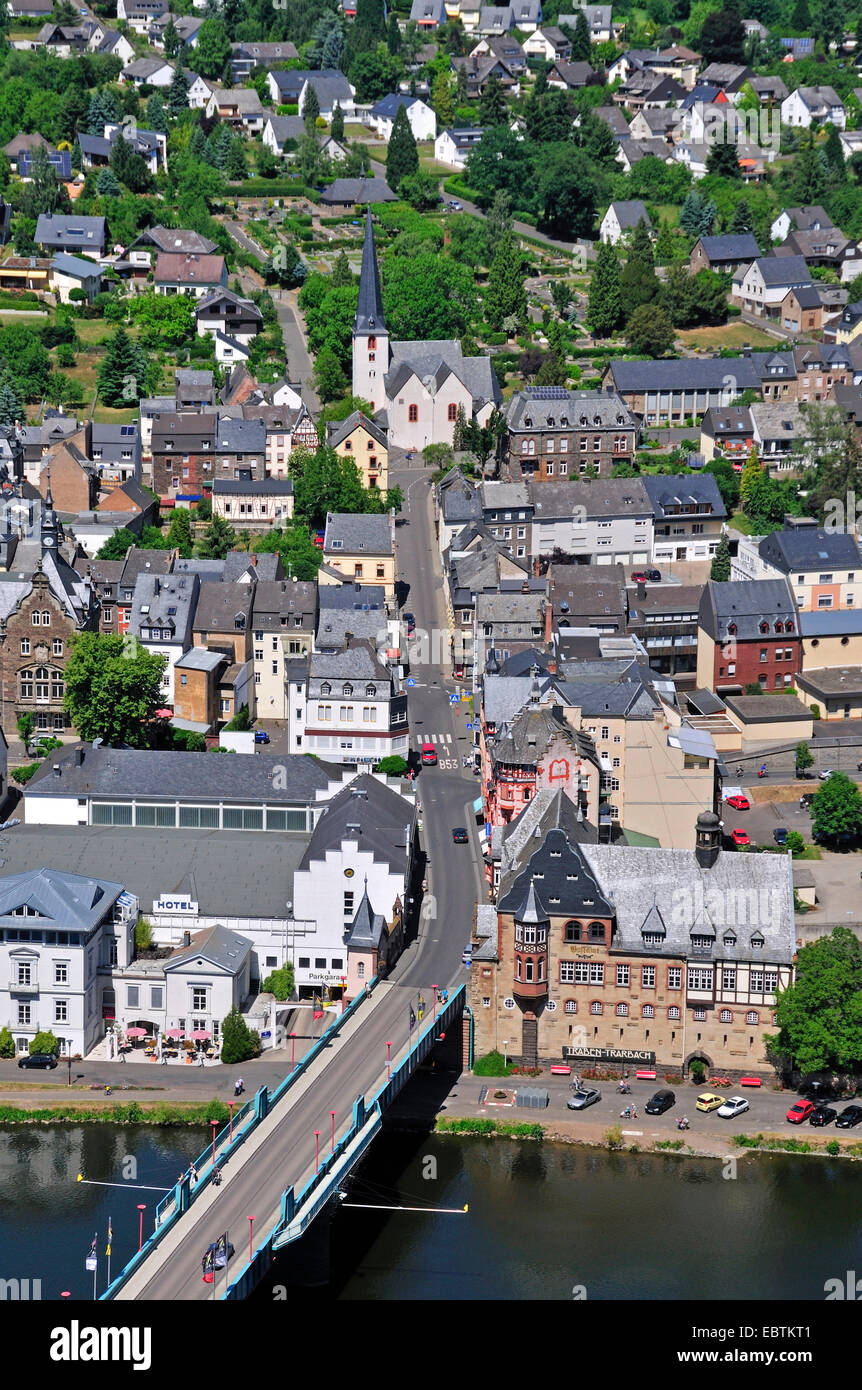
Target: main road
282	1151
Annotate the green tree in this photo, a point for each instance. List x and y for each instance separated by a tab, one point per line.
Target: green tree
795	843
180	532
505	294
106	184
279	983
336	128
492	104
426	296
217	540
499	219
236	167
566	192
831	442
720	567
392	766
742	221
44	1043
819	1016
402	157
649	330
442	100
310	108
118	545
723	161
238	1042
697	215
7	1044
804	758
299	555
11	407
580	38
122	371
421	190
393	35
324	482
722	37
639	283
171	39
178	93
836	809
43	191
113	688
212	50
143	934
329	379
605	305
26	725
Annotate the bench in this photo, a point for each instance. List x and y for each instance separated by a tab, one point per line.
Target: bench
561	1071
645	1075
750	1081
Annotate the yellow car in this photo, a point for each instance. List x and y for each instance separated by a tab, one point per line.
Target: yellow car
708	1101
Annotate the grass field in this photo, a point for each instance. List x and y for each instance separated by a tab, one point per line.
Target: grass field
728	335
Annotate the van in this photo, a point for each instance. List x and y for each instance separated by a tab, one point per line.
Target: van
429	753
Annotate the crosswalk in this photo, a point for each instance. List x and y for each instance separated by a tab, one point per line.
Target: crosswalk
439	740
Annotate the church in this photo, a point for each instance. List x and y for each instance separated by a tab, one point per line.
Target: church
417	386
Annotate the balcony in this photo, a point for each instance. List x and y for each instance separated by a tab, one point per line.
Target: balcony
24	987
529	989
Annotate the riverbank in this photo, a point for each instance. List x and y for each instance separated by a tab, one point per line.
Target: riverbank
107	1110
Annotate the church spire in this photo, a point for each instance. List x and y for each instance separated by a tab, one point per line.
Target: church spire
369	311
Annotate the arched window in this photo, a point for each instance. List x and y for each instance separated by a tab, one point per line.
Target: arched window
596	1006
596	931
372	344
788	626
779	627
532	447
622	1010
751	1017
360	969
673	1013
453	411
524	446
412	413
572	931
726	1016
731	629
764	627
529	971
648	1011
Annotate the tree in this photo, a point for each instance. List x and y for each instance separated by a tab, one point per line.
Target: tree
392	766
499	219
178	93
118	545
212	50
580	38
719	570
310	107
171	40
106	184
236	168
7	1044
828	23
180	532
836	809
113	688
800	20
238	1042
819	1016
442	100
804	758
44	1043
43	191
723	160
393	35
122	371
336	127
279	983
26	725
722	37
421	190
742	221
831	442
697	215
561	294
649	330
402	157
605	306
217	540
156	115
492	104
566	191
329	379
505	294
639	283
426	296
11	407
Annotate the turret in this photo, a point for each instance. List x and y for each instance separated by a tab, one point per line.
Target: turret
370	334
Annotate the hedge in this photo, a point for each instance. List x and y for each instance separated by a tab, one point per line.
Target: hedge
272	188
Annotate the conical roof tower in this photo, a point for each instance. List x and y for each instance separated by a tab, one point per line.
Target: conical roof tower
369	311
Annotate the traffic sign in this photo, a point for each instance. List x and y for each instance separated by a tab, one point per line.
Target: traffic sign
453	699
465	694
468	725
410	682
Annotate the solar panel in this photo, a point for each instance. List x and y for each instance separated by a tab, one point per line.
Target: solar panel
548	393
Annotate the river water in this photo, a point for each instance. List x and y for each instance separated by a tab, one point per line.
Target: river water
545	1221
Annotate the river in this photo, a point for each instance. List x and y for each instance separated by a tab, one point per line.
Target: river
545	1221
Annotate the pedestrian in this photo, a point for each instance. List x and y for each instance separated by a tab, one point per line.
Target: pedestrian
123	1058
200	1059
193	1174
634	1112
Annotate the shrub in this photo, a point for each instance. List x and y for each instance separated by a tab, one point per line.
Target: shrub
143	934
45	1042
22	775
238	1040
279	983
393	766
815	711
614	1137
673	1144
795	843
216	1110
492	1064
7	1044
833	1147
697	1072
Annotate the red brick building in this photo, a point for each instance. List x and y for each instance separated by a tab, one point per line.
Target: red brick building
748	634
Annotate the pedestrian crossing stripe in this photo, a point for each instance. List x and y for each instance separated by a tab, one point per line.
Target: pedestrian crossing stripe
438	739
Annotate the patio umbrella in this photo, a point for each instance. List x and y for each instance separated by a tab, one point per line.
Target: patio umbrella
136	1032
201	1035
175	1033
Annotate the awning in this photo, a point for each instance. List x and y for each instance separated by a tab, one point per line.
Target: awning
136	1032
191	726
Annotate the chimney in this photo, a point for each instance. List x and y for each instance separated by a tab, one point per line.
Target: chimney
641	589
79	757
187	938
254	559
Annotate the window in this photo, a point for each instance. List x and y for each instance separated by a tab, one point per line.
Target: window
572	931
728	977
700	977
582	972
673	1012
648	976
648	1011
571	1006
725	1016
132	997
596	1006
199	1000
674	977
412	414
348	903
360	969
751	1017
622	1010
623	975
156	996
61	972
699	1015
756	983
567	972
25	646
452	412
597	973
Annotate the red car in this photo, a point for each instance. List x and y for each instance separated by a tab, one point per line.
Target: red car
739	803
739	837
800	1111
638	577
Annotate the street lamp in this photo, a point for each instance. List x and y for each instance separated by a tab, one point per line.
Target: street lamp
317	1151
142	1206
435	989
250	1230
230	1106
505	1055
388	1061
292	1049
214	1124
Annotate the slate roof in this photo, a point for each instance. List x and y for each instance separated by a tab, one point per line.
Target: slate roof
604	497
630	212
562	873
217	946
664	491
369	309
433	360
781	270
70	233
70	901
177	239
461	502
346	427
741	247
358	191
240	436
526	738
75	267
286	128
112	772
796	550
220	606
275	599
358	534
254	487
383	816
745	604
367	928
694	373
390	105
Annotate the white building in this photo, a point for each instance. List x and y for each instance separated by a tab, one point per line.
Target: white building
809	106
622	218
453	145
421	118
347	706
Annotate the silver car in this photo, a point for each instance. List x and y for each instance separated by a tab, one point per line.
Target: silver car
581	1099
733	1106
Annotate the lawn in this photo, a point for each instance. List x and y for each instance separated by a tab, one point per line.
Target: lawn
740	522
728	335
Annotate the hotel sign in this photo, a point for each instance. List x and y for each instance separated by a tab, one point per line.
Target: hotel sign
611	1054
175	904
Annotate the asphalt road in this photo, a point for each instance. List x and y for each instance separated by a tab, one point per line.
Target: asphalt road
283	1150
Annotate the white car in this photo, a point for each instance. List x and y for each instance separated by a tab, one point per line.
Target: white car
827	772
733	1106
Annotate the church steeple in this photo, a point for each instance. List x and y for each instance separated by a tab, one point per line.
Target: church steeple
50	520
369	310
370	335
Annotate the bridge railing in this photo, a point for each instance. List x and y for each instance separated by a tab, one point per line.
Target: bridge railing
322	1041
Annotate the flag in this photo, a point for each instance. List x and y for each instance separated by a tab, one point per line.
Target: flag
110	1237
207	1264
412	1018
317	1011
92	1260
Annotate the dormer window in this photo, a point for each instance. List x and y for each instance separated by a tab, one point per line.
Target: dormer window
371	691
528	421
764	627
729	939
731	629
779	627
347	690
757	942
788	626
326	688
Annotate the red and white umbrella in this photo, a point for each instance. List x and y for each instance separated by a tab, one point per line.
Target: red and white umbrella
201	1035
136	1032
175	1033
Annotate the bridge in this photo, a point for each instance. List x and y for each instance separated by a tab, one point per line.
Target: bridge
288	1152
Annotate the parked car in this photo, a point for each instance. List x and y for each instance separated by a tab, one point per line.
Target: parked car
799	1112
823	1115
40	1060
849	1117
779	835
733	1106
708	1102
639	576
261	736
318	540
654	576
429	754
739	837
581	1099
739	803
806	798
411	623
459	835
455	205
827	772
660	1102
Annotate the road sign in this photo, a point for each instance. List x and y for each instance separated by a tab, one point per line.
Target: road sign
468	725
465	694
453	699
410	682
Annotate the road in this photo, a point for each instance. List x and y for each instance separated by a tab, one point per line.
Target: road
243	240
283	1152
299	366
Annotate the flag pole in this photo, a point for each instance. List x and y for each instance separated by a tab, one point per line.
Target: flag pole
108	1251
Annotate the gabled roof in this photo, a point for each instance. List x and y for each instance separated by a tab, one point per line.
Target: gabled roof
740	247
742	605
368	811
630	212
807	548
352	422
218	946
68	901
